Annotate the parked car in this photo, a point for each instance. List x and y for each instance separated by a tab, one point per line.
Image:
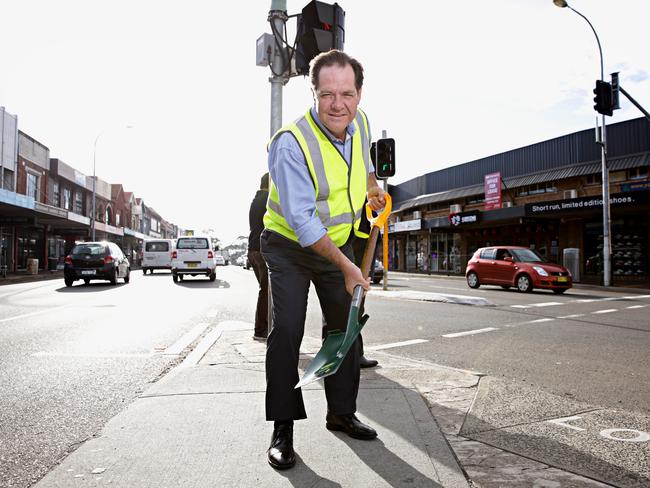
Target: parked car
520	267
157	254
193	256
96	261
377	271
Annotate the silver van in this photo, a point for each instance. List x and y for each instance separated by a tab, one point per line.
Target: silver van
157	254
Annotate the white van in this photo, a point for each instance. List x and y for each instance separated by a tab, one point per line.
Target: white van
193	256
157	254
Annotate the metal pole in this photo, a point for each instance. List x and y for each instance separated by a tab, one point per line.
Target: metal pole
2	148
607	245
278	18
92	216
384	134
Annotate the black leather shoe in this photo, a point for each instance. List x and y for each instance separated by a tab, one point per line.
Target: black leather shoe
351	425
280	452
364	362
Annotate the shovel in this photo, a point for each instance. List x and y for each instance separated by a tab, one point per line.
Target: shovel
337	343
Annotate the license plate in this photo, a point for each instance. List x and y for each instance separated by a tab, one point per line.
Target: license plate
562	279
192	265
88	272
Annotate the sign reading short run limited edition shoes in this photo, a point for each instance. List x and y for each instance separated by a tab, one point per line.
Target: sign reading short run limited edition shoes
628	199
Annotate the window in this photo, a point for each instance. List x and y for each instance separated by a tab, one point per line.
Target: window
118	219
67	199
32	186
78	203
617	176
156	247
537	189
595	179
193	243
56	197
488	253
637	173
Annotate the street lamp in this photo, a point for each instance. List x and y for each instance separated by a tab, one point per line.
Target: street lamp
92	216
607	245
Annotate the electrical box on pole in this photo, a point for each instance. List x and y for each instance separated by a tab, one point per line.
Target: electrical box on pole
320	28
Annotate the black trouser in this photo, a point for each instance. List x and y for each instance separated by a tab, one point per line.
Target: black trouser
262	309
292	268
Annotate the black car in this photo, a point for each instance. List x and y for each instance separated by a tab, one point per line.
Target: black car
96	261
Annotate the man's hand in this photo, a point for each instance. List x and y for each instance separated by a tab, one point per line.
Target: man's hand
353	277
376	198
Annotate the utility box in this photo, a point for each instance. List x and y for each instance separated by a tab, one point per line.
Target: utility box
265	49
32	266
571	261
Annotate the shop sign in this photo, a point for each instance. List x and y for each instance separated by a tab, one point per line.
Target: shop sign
628	199
406	225
492	189
626	187
14	220
458	219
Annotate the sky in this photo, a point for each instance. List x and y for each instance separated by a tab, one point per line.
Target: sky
451	82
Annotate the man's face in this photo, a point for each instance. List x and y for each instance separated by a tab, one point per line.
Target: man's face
337	98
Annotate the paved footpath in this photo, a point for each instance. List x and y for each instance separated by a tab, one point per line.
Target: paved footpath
202	425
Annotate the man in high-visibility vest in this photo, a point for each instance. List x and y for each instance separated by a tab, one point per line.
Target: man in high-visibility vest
321	174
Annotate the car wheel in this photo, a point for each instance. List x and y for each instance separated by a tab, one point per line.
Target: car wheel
144	271
68	281
213	276
86	281
559	291
127	278
113	279
472	280
524	284
175	278
505	287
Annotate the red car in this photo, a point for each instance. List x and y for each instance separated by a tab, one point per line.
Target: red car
516	266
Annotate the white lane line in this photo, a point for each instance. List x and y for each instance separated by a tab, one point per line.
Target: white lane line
397	344
31	314
91	354
471	332
609	310
637	306
185	340
572	316
538	321
586	300
543	304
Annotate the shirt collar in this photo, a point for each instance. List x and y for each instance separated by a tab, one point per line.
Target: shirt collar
351	129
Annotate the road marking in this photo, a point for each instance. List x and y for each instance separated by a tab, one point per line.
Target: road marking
91	354
471	332
397	344
637	306
185	340
31	314
538	321
609	310
573	316
543	304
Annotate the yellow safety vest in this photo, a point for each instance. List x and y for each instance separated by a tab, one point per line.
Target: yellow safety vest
340	189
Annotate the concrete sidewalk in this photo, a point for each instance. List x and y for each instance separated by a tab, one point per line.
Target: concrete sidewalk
203	426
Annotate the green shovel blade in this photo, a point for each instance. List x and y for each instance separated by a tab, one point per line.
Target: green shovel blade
336	345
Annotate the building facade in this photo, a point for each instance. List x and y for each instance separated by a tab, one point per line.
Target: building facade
550	199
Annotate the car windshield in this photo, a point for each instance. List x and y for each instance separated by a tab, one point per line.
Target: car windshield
527	256
193	244
89	248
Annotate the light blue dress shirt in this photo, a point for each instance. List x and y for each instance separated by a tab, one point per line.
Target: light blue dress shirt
290	174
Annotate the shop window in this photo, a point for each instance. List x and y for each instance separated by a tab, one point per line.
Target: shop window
475	200
32	186
637	173
537	189
67	199
595	179
56	197
78	203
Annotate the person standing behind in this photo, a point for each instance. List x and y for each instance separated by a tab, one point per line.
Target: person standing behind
321	174
256	223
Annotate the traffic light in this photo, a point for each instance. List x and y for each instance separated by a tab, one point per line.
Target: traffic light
615	90
384	158
321	28
603	98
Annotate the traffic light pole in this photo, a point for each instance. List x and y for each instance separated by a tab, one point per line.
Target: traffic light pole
278	18
384	240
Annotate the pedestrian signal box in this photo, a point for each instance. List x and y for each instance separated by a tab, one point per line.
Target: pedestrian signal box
384	160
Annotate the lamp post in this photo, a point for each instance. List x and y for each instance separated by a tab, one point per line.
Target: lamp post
604	170
92	216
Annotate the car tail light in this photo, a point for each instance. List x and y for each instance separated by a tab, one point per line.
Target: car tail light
174	255
108	259
68	260
210	255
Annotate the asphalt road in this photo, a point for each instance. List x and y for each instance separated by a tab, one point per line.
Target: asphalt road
72	358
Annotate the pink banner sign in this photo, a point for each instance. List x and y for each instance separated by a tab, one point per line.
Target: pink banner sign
492	187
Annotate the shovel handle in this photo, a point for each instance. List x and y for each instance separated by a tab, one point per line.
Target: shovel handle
377	224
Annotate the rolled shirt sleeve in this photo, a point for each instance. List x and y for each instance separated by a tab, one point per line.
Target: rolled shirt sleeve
293	181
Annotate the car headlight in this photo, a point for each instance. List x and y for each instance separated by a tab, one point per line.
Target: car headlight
540	271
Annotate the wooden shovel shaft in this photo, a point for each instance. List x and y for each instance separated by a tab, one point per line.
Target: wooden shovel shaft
369	252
